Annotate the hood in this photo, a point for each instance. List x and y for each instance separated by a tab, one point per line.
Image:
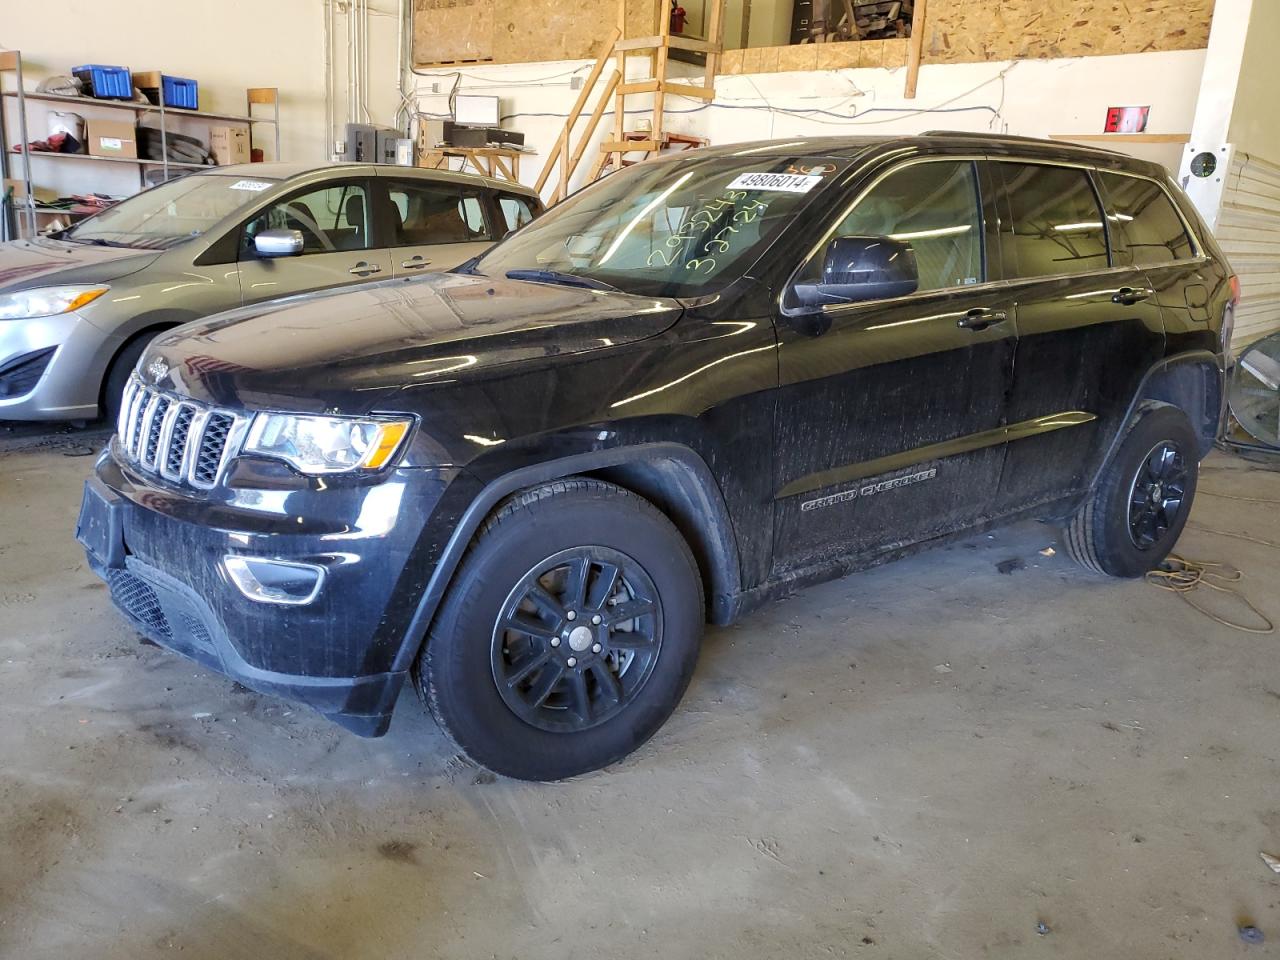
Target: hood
347	353
30	263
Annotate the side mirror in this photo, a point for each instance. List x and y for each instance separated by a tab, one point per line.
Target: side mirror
862	268
278	243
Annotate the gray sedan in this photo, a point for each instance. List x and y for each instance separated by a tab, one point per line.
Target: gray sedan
77	309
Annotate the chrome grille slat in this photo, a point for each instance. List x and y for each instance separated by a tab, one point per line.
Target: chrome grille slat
181	440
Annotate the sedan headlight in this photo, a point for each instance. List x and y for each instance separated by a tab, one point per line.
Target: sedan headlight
324	445
47	301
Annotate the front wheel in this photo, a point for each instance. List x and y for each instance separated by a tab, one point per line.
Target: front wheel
1136	512
569	635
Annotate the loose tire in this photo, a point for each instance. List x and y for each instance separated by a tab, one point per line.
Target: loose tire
569	634
1136	512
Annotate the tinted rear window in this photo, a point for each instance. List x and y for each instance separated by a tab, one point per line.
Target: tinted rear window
1057	225
1146	218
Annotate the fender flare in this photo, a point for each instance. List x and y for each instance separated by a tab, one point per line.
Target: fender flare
1201	358
492	494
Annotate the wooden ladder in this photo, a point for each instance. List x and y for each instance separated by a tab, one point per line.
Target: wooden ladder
657	49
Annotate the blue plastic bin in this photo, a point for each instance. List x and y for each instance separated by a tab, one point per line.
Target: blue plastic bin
105	83
181	92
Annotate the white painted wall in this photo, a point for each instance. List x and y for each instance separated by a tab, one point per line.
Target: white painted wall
1028	97
1255	118
227	46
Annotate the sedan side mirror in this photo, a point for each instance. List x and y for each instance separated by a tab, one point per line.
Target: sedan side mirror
862	268
278	243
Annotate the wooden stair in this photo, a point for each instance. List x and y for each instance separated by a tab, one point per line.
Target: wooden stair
617	46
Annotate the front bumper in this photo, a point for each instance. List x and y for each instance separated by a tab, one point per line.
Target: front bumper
69	384
161	553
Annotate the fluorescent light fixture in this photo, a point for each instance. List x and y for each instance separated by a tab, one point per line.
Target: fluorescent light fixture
938	232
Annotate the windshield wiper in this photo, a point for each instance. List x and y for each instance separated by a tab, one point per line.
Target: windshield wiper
96	241
564	279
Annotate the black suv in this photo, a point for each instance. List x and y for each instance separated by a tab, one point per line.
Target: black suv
693	386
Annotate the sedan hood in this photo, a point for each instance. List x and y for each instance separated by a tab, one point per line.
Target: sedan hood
31	263
347	353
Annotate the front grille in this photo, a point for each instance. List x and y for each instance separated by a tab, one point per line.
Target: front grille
179	439
138	600
20	376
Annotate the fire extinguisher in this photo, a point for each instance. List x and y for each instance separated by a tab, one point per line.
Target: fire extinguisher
678	17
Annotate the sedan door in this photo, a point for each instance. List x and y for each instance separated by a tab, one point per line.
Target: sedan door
336	223
433	225
890	412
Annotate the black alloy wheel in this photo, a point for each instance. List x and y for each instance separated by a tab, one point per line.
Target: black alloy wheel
1135	511
1157	494
568	634
577	639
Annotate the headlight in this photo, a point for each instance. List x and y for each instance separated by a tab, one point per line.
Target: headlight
47	301
323	445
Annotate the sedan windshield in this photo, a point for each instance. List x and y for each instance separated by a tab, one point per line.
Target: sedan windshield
170	213
678	228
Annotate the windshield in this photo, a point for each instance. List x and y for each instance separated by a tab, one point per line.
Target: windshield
673	229
170	213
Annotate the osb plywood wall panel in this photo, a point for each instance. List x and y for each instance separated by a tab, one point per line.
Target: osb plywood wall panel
965	31
815	56
526	31
453	31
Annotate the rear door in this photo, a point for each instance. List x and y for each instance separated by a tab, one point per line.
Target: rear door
1088	328
890	413
336	223
434	225
1149	233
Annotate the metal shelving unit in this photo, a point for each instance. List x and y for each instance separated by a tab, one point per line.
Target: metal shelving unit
11	62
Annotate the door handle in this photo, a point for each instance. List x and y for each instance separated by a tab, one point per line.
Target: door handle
1128	296
363	269
414	263
979	318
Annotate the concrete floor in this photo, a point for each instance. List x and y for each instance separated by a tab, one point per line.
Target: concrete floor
923	761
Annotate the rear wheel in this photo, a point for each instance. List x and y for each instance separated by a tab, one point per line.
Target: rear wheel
569	635
1136	513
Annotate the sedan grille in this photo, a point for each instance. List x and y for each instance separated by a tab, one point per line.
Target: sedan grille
175	438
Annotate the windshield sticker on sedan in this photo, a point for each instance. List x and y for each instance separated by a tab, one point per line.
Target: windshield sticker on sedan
257	186
786	182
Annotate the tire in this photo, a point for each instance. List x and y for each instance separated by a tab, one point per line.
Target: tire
118	374
1114	532
575	694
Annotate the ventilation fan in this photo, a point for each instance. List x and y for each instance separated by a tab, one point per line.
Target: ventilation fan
1254	391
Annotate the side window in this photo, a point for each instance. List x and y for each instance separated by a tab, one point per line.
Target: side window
331	219
516	211
934	207
431	213
1057	226
1145	216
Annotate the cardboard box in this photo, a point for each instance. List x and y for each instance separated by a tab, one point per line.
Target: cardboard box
112	138
229	145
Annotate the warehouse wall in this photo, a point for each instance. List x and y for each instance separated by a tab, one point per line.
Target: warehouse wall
227	46
1027	97
1255	127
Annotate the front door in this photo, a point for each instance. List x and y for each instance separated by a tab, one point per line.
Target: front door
890	413
434	225
1087	329
336	224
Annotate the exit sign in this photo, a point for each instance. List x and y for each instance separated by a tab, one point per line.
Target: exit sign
1126	119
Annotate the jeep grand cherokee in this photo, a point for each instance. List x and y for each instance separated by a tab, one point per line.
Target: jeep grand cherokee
693	386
